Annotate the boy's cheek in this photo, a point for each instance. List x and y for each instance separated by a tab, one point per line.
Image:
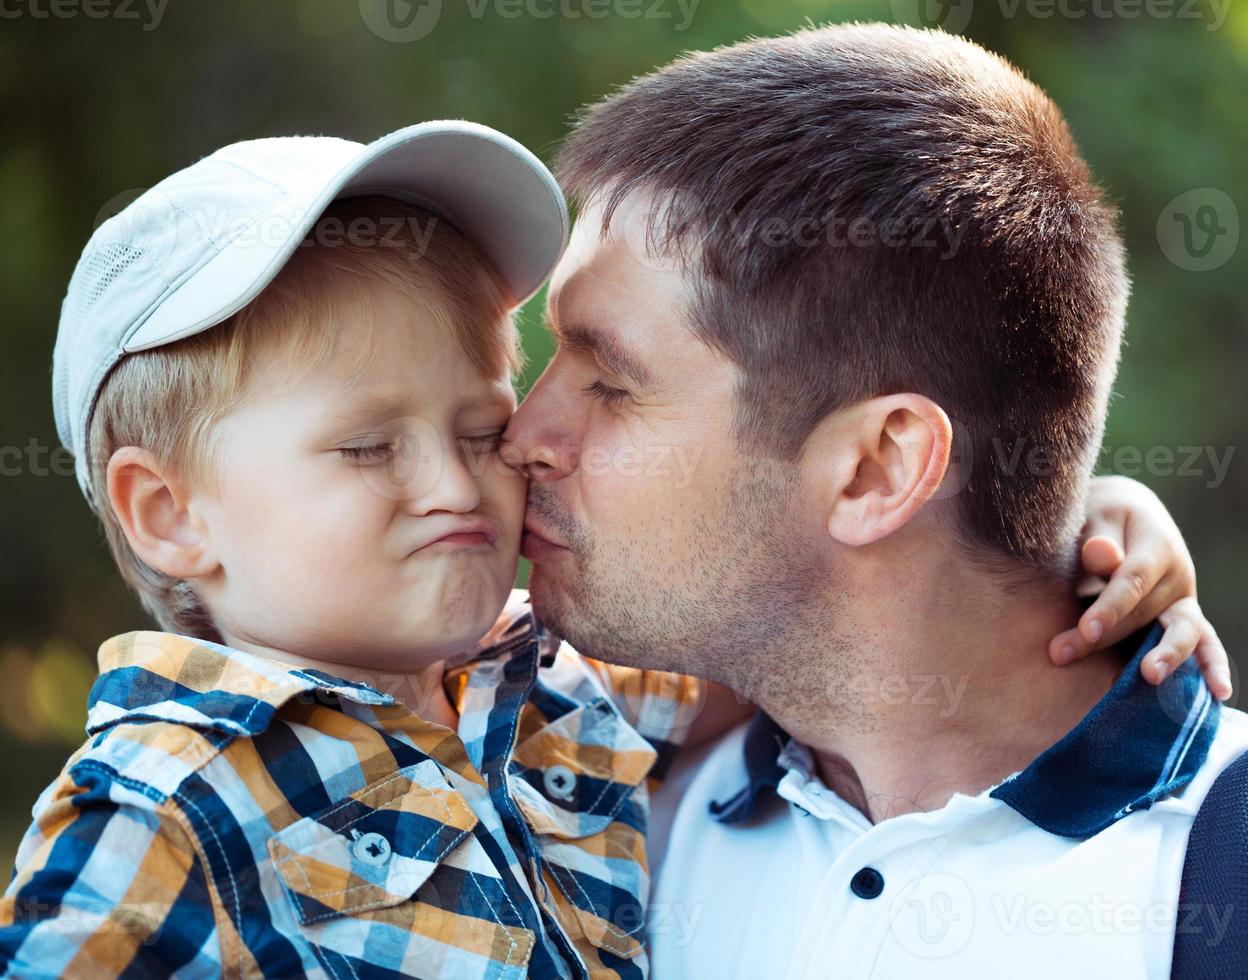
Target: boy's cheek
506	489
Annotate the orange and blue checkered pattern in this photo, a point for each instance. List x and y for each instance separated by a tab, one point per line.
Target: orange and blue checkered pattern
233	816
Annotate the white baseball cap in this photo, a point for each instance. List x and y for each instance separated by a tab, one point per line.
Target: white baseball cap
204	242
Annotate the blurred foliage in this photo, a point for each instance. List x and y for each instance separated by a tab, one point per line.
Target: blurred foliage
98	106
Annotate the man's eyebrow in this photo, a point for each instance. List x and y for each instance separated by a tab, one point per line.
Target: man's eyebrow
608	348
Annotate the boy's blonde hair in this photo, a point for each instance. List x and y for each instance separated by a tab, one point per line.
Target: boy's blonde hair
168	400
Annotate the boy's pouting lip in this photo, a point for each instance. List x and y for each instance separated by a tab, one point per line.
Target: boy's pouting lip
475	535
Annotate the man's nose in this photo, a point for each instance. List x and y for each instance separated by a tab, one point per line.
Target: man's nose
537	443
543	460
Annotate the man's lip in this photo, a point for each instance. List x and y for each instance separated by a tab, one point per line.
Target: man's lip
541	535
536	547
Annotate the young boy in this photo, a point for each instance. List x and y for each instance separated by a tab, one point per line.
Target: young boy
284	373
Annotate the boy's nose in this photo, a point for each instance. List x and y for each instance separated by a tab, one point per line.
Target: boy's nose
449	485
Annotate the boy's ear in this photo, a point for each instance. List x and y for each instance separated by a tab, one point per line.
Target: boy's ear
151	505
880	461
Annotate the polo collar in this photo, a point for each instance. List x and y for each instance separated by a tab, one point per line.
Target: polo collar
764	741
1138	744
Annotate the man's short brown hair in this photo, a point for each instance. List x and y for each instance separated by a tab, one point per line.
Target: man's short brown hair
878	209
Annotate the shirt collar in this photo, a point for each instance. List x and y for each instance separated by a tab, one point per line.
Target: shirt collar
764	741
148	675
153	676
517	635
1139	743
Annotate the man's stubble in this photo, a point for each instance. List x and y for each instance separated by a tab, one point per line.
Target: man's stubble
739	595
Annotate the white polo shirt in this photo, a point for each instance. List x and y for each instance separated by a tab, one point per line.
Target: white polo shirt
1068	869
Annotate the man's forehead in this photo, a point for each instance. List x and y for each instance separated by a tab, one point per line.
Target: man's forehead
633	315
590	254
615	272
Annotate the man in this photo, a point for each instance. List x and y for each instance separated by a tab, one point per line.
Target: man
837	330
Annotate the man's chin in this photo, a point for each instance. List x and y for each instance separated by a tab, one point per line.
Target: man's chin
548	599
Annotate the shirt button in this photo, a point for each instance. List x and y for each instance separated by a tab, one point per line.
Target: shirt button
370	848
867	883
560	782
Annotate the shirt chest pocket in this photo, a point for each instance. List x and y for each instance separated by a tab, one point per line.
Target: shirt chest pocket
580	784
392	877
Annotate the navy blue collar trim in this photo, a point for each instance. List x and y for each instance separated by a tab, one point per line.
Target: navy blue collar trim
1138	744
763	741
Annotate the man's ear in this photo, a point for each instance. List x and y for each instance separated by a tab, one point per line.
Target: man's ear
884	458
151	505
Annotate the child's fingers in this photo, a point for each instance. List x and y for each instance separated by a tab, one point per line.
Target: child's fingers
1170	590
1101	554
1177	643
1068	646
1131	599
1214	663
1188	633
1073	644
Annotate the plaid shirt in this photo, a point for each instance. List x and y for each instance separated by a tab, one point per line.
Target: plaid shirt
231	815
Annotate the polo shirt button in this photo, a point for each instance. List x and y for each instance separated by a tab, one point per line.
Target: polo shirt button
867	883
560	782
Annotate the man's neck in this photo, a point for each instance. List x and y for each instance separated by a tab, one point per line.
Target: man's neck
953	695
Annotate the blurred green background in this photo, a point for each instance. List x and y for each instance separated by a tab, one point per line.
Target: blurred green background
103	98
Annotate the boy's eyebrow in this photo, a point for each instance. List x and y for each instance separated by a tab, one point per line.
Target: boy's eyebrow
607	348
372	407
387	407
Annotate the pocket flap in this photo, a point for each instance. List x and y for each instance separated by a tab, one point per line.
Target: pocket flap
373	849
575	775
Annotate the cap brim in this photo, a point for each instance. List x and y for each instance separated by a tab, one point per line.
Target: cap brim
496	193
